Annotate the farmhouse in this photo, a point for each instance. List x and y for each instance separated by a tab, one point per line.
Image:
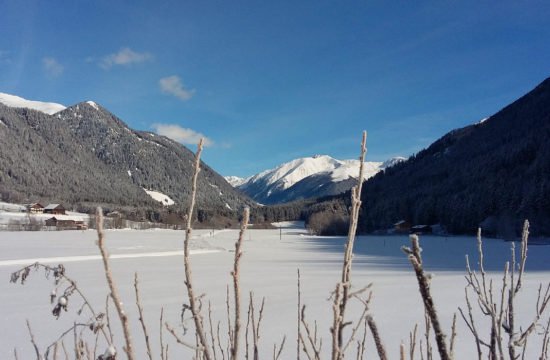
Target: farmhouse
35	208
68	224
55	209
402	226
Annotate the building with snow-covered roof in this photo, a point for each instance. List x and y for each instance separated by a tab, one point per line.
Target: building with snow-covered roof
55	209
35	208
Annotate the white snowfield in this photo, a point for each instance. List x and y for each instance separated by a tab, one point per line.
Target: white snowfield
268	268
18	102
158	196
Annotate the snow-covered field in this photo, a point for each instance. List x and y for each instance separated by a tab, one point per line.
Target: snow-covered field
269	268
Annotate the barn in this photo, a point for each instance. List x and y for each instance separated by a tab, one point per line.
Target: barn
54	209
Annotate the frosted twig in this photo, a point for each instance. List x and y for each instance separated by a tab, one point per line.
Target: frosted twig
376	336
33	342
236	287
340	300
197	318
424	287
141	319
178	339
129	349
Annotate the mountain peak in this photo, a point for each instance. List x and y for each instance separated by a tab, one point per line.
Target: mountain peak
318	175
92	104
19	102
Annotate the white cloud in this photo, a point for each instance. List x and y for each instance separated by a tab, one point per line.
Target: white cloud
172	85
180	134
124	56
52	67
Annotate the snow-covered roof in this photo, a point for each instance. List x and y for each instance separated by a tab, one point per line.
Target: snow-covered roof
52	206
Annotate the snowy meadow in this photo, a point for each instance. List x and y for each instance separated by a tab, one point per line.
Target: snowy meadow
268	269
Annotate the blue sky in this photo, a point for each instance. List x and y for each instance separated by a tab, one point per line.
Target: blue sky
270	81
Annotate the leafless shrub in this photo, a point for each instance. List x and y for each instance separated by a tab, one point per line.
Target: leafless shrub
499	305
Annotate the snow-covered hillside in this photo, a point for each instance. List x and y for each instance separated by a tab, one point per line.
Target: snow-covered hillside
300	176
19	102
235	181
158	196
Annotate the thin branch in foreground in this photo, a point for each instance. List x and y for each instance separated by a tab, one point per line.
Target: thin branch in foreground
343	288
141	319
236	287
377	340
193	306
424	287
33	342
129	349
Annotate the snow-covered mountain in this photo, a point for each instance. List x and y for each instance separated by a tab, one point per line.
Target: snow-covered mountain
235	181
84	156
18	102
320	175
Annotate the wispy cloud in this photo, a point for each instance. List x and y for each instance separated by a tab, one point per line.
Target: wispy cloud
181	134
52	67
172	85
124	57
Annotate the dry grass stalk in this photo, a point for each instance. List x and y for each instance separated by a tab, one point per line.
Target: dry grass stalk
424	287
545	342
236	287
211	327
179	340
309	338
412	342
129	349
141	319
33	341
298	340
161	340
343	288
193	306
277	353
453	337
256	326
361	345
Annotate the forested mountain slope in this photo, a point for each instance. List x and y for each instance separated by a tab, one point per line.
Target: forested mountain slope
84	156
495	173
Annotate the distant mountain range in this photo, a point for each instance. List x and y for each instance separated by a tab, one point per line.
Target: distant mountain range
492	174
304	178
83	156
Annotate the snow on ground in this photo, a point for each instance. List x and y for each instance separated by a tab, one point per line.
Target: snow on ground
12	207
19	102
158	196
289	224
269	267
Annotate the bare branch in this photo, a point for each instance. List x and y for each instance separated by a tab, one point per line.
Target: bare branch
129	349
